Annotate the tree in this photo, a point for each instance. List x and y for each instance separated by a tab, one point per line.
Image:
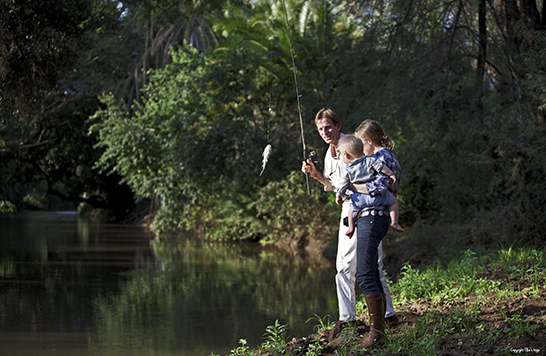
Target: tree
39	43
51	76
456	80
158	26
192	138
523	27
197	137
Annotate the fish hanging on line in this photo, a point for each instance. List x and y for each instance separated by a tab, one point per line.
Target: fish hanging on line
265	155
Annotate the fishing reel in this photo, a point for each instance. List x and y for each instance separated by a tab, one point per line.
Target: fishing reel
313	157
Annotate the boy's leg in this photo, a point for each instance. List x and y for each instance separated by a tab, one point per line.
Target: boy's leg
394	213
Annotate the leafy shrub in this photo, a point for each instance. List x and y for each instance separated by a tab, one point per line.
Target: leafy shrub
282	212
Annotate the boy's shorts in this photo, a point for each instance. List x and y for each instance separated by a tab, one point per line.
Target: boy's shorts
361	201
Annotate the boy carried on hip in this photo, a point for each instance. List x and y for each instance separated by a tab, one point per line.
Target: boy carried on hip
371	171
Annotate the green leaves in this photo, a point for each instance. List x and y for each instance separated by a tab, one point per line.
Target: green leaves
194	136
7	207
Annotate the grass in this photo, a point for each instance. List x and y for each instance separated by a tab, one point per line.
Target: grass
452	293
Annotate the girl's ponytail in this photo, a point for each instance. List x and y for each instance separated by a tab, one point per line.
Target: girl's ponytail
388	142
372	130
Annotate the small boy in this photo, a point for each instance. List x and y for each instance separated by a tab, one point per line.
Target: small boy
363	169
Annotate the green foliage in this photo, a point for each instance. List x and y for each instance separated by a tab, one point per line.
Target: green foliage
192	140
50	73
464	275
275	338
314	349
285	208
523	264
442	284
241	350
465	152
323	324
432	325
151	29
282	213
417	341
520	325
7	207
192	143
470	143
39	42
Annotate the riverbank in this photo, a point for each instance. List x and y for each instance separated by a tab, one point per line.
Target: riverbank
477	303
515	325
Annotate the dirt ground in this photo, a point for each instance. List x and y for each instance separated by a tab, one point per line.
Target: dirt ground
490	316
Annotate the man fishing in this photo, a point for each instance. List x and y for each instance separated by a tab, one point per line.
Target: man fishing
329	127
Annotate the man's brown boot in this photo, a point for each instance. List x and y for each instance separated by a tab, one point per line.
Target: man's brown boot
383	305
392	321
376	312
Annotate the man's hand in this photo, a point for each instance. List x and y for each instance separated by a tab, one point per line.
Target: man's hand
308	167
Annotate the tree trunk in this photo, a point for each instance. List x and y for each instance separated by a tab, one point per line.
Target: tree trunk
482	42
514	21
482	51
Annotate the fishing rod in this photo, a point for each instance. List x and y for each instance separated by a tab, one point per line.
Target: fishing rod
297	95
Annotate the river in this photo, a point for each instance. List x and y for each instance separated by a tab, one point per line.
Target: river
69	286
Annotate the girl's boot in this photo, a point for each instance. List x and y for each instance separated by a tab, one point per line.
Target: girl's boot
376	312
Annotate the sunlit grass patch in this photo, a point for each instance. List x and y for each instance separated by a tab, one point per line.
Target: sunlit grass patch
523	264
466	276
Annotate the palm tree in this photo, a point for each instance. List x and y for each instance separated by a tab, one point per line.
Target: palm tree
159	25
271	27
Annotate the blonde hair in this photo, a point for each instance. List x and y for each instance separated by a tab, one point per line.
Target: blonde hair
352	145
372	130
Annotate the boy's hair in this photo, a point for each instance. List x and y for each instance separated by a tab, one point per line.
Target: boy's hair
372	130
327	114
352	145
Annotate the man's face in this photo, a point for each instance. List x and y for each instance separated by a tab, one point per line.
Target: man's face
328	131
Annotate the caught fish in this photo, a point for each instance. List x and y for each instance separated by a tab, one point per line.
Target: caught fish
265	155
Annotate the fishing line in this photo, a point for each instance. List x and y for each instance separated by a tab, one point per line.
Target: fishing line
268	148
269	110
297	94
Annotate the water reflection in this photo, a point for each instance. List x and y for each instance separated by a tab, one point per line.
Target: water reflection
68	285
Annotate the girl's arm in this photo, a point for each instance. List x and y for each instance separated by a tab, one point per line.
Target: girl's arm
359	188
388	172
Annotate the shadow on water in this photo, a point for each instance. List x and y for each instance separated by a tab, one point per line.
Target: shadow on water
72	287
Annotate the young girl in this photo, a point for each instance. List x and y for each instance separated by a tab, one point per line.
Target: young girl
370	233
378	145
365	169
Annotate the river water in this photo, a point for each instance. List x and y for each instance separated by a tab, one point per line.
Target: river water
69	286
